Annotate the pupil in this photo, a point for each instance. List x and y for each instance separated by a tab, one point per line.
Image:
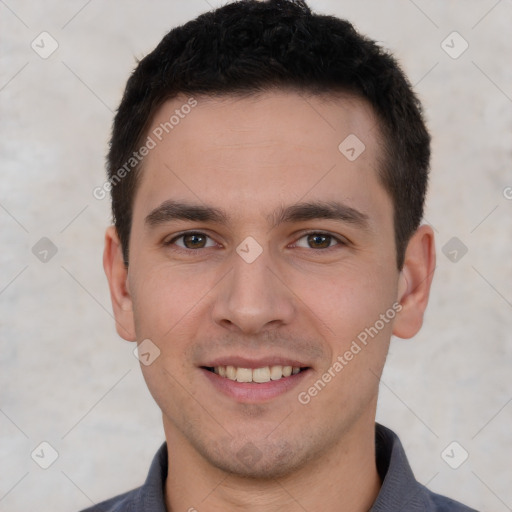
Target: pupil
193	239
315	238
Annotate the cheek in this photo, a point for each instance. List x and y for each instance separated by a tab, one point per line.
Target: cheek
167	302
350	300
167	299
357	340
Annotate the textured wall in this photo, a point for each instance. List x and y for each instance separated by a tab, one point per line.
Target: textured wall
67	379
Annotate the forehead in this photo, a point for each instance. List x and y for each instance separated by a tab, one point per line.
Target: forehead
275	147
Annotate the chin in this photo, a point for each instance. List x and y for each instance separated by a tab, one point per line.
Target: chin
246	460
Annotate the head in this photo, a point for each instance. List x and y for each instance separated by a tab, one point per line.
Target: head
292	152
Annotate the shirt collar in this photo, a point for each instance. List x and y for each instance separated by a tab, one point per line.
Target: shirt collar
399	490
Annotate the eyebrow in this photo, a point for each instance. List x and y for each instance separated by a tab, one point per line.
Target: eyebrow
332	210
176	210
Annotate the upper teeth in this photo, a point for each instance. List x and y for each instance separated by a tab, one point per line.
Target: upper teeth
260	375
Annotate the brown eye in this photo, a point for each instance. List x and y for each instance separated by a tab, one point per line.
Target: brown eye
191	241
194	240
318	240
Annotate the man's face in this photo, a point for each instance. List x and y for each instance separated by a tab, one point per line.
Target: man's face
256	290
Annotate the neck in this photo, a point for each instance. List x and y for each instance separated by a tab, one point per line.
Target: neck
343	479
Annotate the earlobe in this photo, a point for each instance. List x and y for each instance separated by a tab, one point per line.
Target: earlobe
117	275
415	281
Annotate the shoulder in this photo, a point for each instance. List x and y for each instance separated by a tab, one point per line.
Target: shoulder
400	490
437	503
122	503
149	496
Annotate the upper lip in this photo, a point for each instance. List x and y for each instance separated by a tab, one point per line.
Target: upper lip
245	362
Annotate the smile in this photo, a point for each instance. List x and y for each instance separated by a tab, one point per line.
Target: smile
257	375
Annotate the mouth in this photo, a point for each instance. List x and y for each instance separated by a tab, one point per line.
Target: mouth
254	380
260	375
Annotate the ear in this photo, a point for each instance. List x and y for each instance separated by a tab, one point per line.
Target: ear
117	275
414	282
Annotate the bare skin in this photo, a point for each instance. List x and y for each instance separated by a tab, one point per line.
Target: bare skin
317	284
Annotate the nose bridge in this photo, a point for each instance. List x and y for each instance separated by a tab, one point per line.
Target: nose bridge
253	296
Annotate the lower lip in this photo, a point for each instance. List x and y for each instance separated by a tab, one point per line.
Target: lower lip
253	392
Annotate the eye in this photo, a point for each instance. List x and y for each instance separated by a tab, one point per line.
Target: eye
319	240
191	240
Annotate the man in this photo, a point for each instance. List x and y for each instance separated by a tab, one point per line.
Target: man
268	169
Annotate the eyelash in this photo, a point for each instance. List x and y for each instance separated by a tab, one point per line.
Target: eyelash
340	241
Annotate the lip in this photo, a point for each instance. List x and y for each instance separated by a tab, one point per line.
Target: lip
252	392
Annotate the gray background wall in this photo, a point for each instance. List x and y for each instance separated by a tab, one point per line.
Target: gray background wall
67	379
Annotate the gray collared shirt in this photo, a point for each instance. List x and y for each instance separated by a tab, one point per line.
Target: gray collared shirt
399	492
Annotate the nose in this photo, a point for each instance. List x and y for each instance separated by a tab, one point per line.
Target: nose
253	297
